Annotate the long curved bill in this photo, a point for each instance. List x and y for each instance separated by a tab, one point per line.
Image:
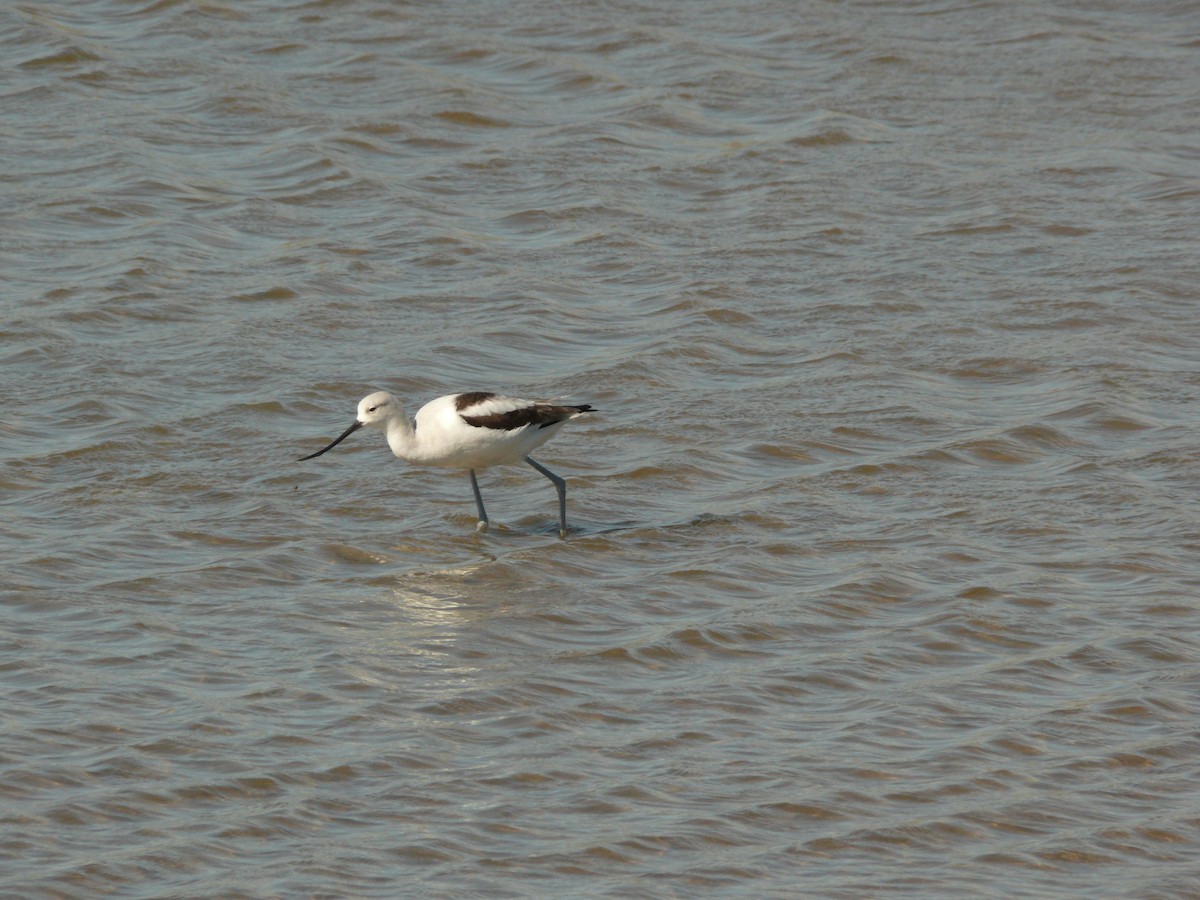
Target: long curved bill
345	434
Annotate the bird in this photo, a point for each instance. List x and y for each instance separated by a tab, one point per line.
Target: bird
472	430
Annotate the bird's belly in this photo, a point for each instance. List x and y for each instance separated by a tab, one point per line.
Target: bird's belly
479	448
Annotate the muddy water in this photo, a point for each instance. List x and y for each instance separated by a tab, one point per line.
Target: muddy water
882	578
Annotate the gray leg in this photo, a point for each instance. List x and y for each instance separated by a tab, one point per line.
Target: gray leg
482	524
561	487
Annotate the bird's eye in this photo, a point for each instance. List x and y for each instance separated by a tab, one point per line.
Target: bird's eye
373	408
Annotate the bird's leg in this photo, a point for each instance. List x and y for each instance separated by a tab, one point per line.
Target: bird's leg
482	524
561	487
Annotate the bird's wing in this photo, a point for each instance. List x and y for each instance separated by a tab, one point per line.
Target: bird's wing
508	413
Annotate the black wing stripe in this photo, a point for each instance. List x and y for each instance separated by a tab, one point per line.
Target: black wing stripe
464	401
542	415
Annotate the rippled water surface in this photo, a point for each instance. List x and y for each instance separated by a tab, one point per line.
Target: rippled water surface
882	578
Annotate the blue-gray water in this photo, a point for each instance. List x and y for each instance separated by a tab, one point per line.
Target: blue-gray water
884	565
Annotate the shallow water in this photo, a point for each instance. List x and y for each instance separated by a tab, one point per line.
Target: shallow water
883	571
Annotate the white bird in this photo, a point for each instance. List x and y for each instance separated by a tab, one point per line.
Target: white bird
468	431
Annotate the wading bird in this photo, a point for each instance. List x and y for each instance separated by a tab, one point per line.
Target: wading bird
468	431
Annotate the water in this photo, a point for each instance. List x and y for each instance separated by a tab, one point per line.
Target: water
883	572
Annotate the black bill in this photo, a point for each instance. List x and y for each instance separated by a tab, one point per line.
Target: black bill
345	434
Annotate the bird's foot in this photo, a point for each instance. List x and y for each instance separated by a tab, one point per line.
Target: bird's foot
481	526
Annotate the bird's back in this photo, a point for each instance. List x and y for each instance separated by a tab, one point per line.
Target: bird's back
479	429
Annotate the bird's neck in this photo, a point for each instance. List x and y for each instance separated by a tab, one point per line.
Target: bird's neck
402	437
